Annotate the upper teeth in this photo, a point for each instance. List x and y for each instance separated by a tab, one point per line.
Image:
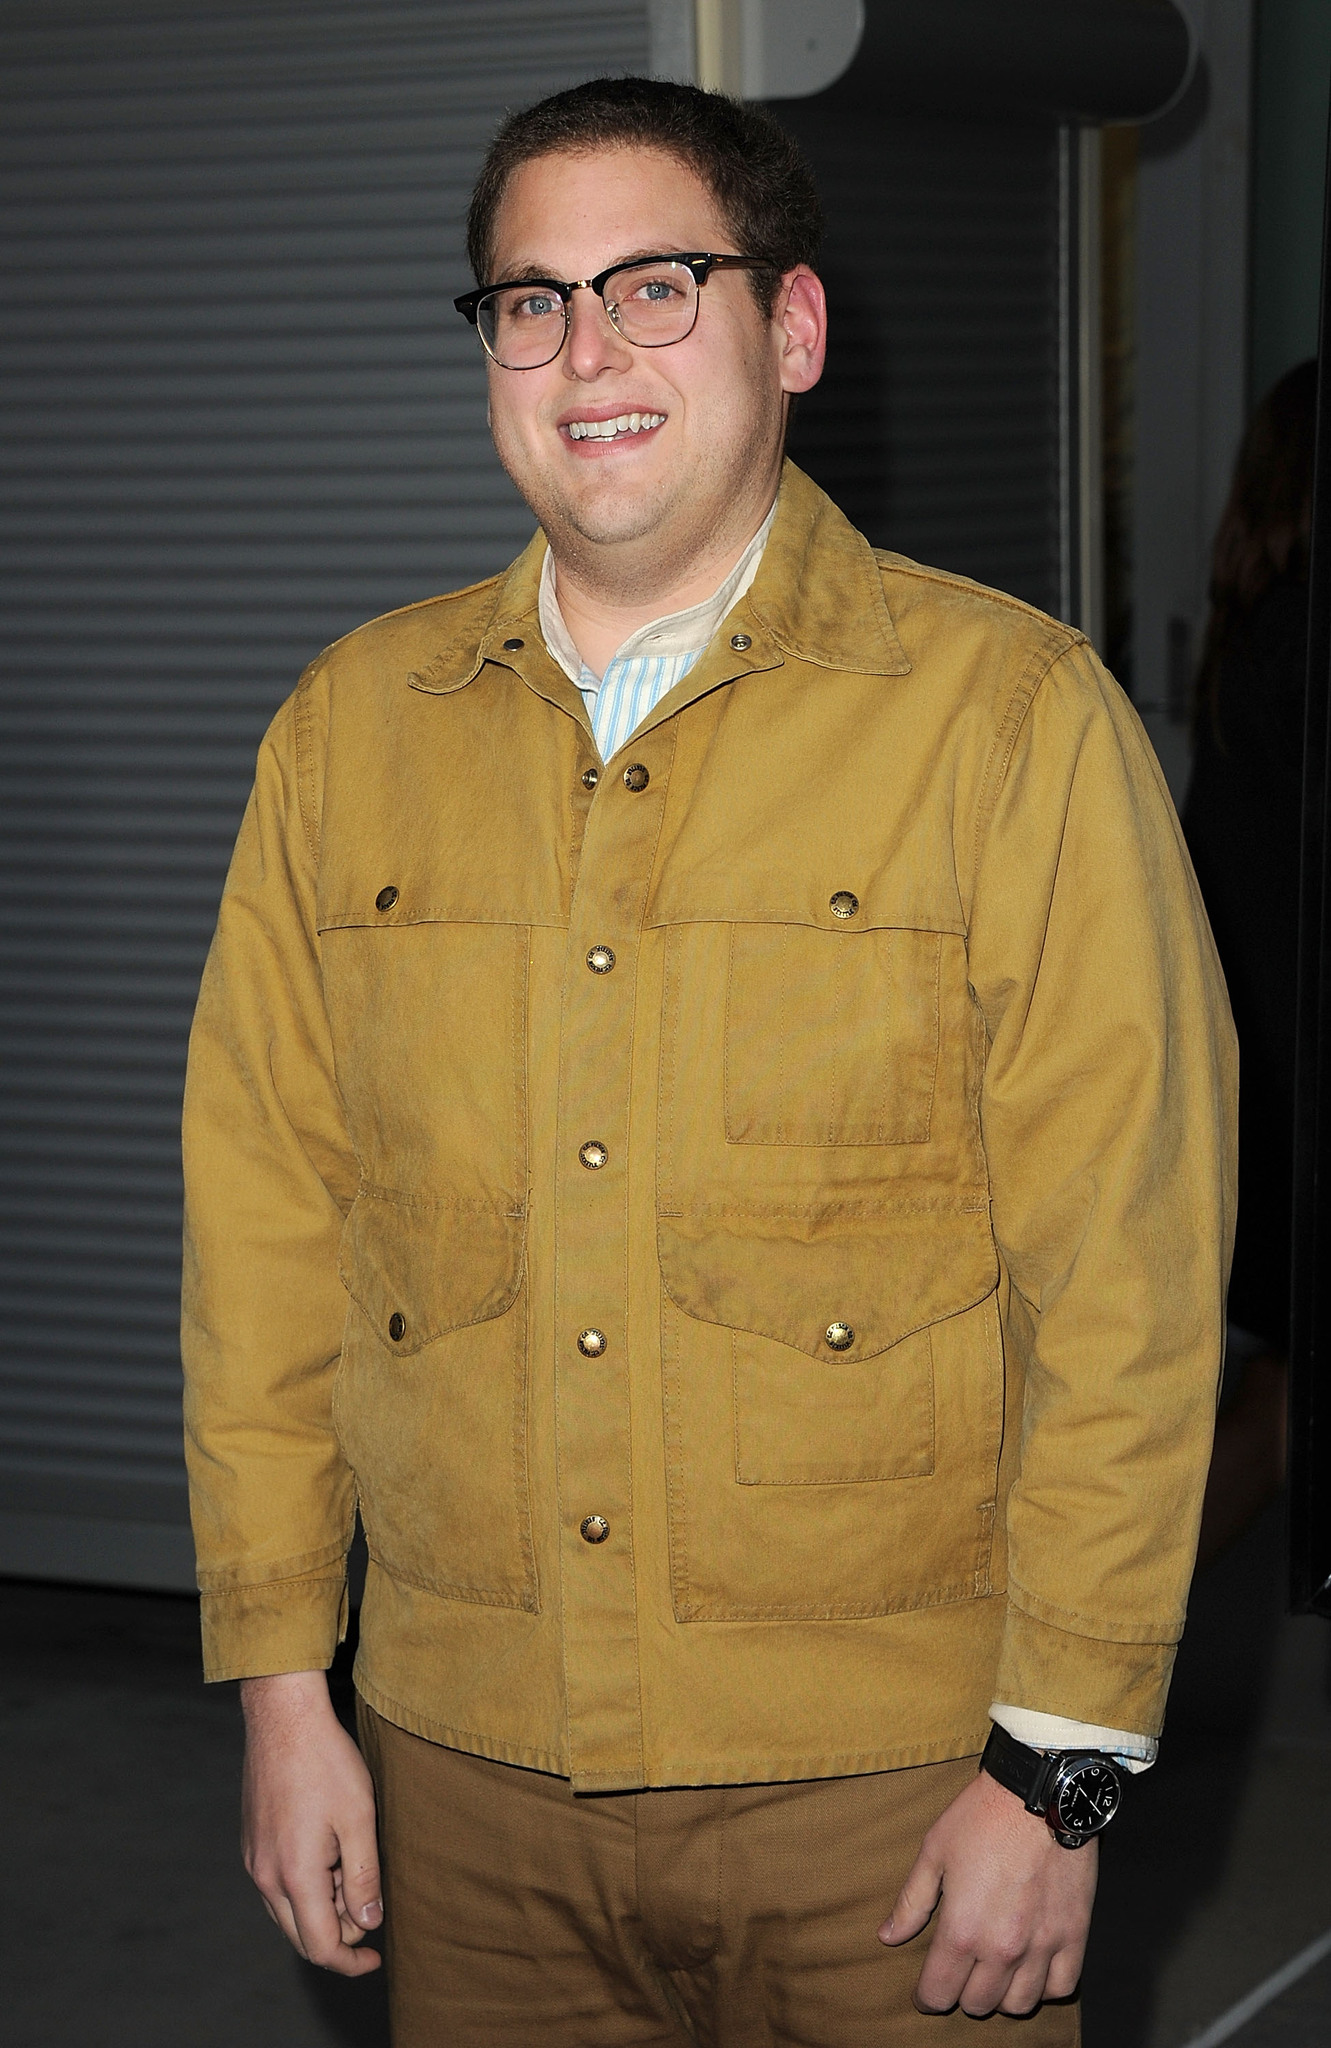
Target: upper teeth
606	430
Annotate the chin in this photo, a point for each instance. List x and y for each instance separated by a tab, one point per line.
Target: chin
613	514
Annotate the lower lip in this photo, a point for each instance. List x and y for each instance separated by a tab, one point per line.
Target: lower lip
595	446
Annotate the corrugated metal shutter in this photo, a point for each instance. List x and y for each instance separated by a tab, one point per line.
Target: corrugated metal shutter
238	416
940	425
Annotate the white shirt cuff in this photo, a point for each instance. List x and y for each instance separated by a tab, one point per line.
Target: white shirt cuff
1049	1731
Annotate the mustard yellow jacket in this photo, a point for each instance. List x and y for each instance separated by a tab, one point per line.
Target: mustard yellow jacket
796	1154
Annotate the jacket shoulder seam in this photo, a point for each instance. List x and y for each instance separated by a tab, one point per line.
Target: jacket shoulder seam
1037	666
924	572
403	611
310	818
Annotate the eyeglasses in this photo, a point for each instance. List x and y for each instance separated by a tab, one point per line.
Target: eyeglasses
652	302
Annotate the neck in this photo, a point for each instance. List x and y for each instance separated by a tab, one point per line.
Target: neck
603	601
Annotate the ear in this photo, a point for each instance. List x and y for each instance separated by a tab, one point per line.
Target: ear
799	321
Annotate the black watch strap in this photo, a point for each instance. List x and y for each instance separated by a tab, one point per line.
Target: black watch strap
1020	1769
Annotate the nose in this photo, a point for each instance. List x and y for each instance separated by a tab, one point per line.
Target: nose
594	342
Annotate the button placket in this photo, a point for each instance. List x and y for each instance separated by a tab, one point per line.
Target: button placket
591	1222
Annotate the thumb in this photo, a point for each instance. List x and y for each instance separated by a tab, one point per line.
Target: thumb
362	1898
915	1902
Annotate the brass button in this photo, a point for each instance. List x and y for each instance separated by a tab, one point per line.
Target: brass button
600	959
590	777
397	1327
740	642
594	1528
593	1155
512	646
844	904
840	1336
591	1343
386	898
636	776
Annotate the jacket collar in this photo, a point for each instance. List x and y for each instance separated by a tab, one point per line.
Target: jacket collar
819	589
818	596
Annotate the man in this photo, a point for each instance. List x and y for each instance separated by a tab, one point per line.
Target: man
707	1118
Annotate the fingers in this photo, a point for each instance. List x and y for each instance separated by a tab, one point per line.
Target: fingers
979	1986
325	1936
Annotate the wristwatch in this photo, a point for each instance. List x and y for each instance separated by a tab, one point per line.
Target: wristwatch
1076	1791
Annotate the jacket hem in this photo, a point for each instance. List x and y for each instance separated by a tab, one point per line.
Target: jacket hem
696	1771
525	1755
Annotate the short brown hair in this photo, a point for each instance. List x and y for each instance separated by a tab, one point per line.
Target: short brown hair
762	186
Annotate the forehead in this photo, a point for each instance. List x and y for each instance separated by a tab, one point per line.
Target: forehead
575	213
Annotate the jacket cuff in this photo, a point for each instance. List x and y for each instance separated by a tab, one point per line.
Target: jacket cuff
1083	1678
285	1625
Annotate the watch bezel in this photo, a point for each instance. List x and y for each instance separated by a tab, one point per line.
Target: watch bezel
1071	1768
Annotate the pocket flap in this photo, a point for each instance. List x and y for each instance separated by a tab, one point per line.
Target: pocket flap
795	1279
420	1267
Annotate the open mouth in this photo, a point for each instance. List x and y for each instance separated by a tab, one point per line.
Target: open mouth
626	424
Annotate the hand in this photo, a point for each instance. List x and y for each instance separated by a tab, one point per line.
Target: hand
308	1821
1016	1906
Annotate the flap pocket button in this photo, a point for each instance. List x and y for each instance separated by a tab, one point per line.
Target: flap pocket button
397	1327
840	1336
386	898
844	904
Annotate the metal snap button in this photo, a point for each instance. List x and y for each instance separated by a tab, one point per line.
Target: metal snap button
590	777
740	642
386	898
636	776
594	1528
593	1155
592	1343
840	1336
844	904
600	959
512	646
397	1327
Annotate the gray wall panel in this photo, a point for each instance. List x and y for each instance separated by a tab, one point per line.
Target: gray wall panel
238	415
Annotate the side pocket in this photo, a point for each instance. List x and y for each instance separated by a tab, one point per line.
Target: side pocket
815	1422
831	1038
438	1442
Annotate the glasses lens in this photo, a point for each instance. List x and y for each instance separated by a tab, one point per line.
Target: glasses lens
653	304
522	326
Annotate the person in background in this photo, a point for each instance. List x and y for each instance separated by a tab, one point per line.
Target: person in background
1242	823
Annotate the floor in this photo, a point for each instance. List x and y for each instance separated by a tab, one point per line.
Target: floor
140	1927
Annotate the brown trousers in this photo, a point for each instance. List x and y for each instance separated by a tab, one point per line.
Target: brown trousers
739	1916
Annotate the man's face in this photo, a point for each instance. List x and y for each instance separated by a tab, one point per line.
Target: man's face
710	465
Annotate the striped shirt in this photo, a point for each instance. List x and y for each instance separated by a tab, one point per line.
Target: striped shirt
652	660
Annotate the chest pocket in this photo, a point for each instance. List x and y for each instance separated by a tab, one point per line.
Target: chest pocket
832	1387
831	1039
819	1153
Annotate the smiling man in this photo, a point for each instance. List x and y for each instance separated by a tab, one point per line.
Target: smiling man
709	1119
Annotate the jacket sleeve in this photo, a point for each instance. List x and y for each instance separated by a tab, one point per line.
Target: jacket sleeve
269	1175
1108	1115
